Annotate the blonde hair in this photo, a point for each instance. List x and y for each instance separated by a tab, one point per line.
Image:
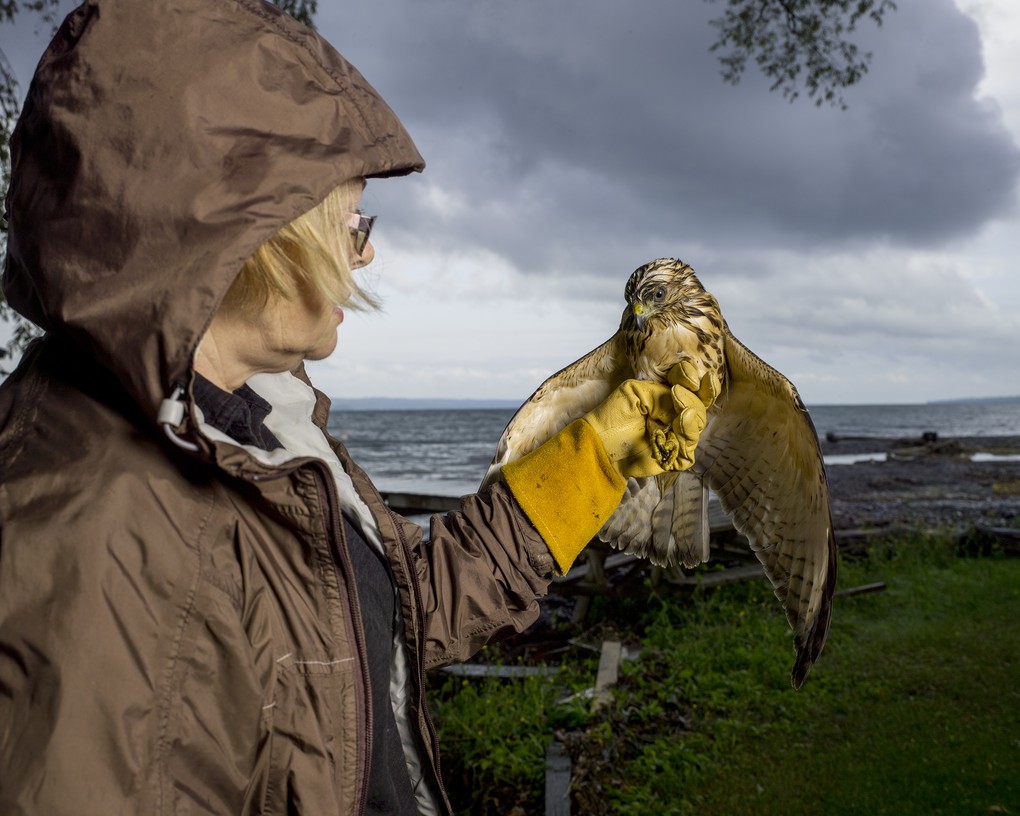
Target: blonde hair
309	255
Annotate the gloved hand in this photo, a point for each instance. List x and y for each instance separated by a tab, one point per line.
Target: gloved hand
685	374
691	400
572	483
634	425
647	428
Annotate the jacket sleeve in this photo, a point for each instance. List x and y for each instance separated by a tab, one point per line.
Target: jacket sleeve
476	578
479	575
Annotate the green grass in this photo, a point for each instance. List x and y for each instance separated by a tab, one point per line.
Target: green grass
913	708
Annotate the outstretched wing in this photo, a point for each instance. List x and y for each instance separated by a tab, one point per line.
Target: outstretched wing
568	394
759	452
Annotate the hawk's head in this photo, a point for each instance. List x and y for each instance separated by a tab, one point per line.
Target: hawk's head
665	291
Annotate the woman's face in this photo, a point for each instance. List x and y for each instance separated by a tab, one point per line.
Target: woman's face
305	328
301	329
285	333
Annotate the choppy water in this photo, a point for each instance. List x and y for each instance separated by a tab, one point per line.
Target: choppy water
946	419
442	453
446	453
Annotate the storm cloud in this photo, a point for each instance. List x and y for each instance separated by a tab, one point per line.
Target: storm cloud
867	253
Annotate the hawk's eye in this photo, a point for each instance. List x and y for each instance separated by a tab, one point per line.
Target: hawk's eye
660	293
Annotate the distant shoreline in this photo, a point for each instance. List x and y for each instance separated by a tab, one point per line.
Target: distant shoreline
442	404
418	404
970	400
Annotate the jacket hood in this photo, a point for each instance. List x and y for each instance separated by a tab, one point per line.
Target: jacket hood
160	143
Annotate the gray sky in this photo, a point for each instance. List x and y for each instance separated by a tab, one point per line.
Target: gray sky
867	254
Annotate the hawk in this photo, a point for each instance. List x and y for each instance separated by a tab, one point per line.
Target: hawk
758	452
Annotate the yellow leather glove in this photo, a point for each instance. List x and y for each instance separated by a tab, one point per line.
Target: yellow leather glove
635	427
685	374
692	397
567	487
570	485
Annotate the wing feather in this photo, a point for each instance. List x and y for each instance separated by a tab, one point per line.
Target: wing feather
567	395
760	454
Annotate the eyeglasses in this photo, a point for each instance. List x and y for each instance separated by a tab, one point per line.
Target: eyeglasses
361	227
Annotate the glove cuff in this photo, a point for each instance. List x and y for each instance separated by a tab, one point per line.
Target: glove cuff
567	487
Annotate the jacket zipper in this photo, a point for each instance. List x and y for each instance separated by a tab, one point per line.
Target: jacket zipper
405	550
355	629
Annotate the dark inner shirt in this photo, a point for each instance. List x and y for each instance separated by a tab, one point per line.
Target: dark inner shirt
242	415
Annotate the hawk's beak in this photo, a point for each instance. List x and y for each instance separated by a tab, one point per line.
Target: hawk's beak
640	314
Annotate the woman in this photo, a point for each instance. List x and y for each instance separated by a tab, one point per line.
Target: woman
205	606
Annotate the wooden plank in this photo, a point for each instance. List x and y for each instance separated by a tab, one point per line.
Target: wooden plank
849	537
718	519
473	670
864	589
731	575
408	503
584	569
1006	537
1002	532
609	672
557	780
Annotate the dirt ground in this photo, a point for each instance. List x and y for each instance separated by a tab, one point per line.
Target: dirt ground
924	485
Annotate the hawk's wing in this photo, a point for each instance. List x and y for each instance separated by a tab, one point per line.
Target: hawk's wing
567	395
759	452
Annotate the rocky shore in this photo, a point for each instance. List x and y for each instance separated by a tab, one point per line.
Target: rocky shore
926	484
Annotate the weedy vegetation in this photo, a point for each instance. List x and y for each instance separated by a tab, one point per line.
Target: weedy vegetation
913	708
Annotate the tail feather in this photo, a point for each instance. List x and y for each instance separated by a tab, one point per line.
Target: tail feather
664	519
690	520
628	528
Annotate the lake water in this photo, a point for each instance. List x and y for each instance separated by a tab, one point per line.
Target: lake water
946	419
446	453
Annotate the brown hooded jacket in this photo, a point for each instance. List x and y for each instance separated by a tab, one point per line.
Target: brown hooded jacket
179	629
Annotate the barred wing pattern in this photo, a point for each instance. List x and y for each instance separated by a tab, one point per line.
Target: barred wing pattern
760	454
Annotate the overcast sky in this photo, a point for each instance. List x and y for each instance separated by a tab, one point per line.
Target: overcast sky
868	254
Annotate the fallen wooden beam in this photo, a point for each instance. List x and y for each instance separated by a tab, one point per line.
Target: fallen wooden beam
608	674
585	569
557	780
1004	532
1006	537
864	589
409	503
473	670
707	580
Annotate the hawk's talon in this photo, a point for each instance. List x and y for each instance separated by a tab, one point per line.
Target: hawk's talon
666	449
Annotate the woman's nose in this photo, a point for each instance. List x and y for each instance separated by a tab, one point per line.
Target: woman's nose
365	258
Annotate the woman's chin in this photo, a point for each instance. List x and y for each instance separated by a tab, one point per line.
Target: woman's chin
324	349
